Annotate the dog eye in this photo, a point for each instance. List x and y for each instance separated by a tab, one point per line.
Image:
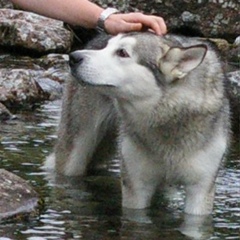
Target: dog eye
122	53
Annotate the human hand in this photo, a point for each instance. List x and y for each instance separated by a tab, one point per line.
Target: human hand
128	22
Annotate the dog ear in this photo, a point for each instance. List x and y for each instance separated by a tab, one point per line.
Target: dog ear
178	62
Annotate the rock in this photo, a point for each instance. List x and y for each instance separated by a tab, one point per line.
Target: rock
234	96
33	32
5	4
18	88
237	41
53	88
211	18
230	53
17	197
25	81
55	71
234	78
5	114
233	55
221	44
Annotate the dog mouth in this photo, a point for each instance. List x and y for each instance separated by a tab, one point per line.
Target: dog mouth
81	81
78	79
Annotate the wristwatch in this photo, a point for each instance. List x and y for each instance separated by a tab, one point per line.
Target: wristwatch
104	15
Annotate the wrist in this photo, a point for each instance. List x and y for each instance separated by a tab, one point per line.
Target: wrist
105	14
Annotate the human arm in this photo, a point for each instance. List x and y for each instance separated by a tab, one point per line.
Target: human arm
85	13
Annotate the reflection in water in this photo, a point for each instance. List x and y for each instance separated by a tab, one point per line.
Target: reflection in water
90	208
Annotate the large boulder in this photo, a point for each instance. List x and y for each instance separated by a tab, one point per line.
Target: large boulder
20	29
17	197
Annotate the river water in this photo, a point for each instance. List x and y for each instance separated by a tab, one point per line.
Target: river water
91	208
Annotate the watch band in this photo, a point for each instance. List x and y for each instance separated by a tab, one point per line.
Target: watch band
103	16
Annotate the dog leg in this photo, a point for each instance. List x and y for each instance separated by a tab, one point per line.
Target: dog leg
199	198
139	176
86	115
200	194
81	154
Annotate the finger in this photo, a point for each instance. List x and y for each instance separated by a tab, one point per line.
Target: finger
133	27
128	27
157	24
115	25
160	27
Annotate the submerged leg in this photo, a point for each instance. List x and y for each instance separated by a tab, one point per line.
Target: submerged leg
200	198
139	177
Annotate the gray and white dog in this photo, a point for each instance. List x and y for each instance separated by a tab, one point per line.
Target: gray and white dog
168	95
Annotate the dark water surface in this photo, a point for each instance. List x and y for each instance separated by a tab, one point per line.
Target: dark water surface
91	208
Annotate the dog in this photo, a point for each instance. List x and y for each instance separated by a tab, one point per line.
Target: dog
166	94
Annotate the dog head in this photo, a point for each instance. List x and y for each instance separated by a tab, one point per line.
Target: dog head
134	65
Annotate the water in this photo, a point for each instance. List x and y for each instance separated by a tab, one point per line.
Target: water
91	208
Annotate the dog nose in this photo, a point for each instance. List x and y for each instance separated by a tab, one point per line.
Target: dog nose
75	58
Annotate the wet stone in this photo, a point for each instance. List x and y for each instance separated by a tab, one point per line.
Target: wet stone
31	31
5	114
17	87
5	4
234	96
234	78
17	197
25	81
